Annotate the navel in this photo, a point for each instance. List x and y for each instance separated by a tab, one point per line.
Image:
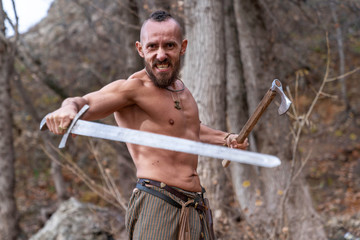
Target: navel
171	121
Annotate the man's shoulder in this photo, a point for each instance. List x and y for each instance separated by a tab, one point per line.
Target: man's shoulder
138	79
135	81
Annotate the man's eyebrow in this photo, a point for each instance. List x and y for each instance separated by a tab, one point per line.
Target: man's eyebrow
150	43
172	42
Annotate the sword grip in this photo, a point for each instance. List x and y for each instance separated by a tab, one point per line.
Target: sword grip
250	124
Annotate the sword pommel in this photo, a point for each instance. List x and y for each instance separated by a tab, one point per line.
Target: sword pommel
77	117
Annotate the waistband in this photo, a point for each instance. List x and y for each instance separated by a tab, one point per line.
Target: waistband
197	197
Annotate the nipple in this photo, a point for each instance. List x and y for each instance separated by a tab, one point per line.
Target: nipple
171	121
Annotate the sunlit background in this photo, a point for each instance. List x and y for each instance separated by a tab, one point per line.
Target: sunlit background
29	13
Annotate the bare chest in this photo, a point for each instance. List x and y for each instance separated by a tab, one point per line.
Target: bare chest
164	112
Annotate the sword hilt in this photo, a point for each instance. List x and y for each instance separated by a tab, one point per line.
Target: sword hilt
62	144
77	117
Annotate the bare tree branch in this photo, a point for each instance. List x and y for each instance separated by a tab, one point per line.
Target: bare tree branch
344	75
301	122
16	28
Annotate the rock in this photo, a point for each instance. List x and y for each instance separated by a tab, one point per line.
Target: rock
78	221
338	227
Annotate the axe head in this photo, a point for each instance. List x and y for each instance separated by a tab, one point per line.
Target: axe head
285	101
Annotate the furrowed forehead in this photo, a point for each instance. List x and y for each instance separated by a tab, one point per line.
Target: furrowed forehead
151	27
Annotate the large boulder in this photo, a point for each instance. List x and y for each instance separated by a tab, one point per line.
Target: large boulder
78	221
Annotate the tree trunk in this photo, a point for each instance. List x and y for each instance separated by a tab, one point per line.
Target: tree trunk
132	59
340	45
261	198
8	214
249	65
236	105
204	74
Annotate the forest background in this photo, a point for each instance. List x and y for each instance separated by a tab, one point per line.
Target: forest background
236	48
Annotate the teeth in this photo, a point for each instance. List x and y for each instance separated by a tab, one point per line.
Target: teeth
162	66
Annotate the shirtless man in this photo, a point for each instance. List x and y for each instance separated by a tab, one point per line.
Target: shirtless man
154	100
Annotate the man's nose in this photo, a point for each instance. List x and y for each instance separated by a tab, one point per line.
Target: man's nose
161	54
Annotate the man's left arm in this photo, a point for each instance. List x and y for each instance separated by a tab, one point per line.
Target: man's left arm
217	137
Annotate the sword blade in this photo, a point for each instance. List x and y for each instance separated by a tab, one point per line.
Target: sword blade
98	130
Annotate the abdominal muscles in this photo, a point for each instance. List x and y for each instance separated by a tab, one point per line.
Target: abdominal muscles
173	168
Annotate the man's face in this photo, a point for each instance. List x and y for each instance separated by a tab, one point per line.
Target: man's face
161	47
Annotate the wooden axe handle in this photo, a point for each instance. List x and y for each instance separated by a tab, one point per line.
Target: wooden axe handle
249	125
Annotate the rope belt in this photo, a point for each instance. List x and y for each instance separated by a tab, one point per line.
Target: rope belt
197	202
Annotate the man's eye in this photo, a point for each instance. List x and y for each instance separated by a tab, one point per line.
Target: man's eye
170	45
151	46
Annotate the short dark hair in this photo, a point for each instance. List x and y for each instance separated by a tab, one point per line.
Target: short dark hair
159	16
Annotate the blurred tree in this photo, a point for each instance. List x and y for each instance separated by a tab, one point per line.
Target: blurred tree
207	72
204	74
271	215
341	52
8	212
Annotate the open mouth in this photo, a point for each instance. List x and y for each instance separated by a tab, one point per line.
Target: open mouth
163	66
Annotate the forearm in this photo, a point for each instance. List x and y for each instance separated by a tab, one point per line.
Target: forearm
75	102
212	136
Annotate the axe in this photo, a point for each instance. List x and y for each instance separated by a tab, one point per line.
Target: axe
276	87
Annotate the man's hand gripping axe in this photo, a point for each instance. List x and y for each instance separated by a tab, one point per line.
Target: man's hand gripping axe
269	96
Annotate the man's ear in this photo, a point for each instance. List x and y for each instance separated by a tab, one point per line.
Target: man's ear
183	46
139	48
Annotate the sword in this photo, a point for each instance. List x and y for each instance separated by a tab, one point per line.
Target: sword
115	133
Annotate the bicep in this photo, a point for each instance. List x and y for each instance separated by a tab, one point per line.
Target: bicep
109	99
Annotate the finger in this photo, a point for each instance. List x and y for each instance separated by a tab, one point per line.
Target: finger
61	130
50	123
57	127
231	140
64	123
234	144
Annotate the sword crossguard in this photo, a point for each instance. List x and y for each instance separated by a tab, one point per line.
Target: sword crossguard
77	117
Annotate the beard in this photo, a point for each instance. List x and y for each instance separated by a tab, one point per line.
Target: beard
164	80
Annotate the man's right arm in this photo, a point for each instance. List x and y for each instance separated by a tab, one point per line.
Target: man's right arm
103	102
